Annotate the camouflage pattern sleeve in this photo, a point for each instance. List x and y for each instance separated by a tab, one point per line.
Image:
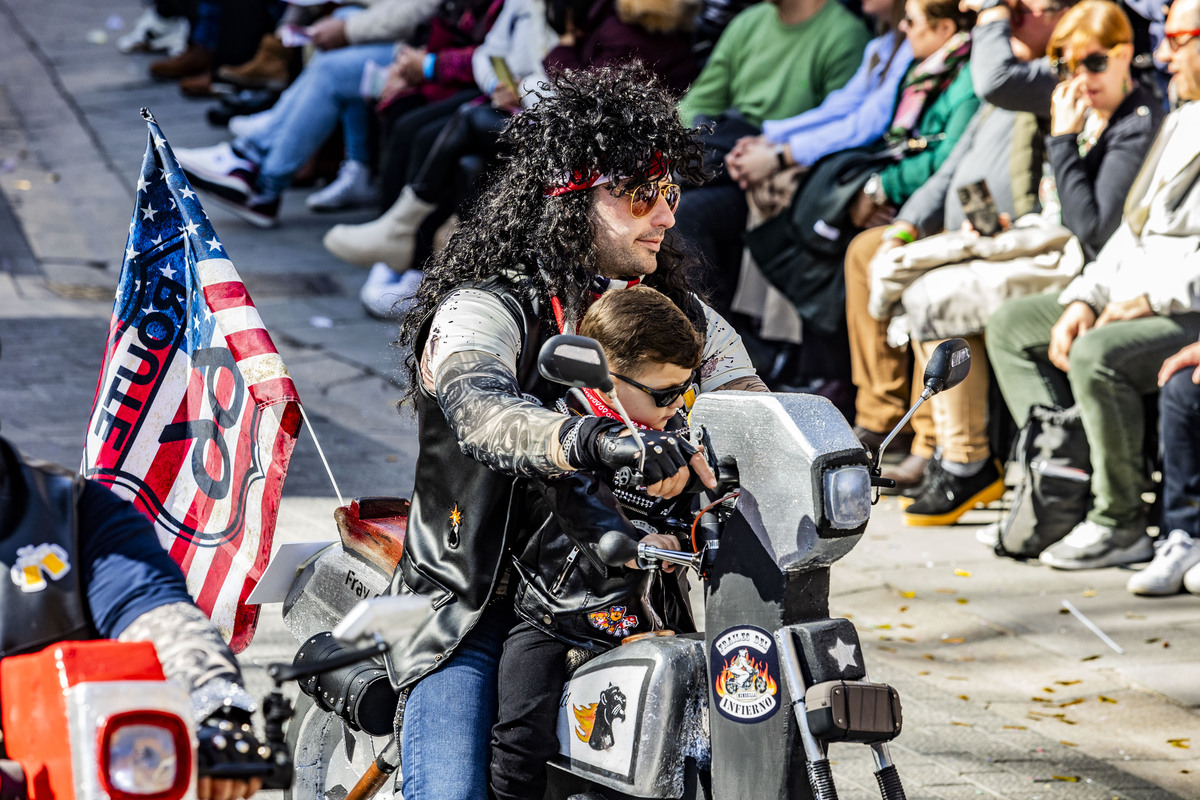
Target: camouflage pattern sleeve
194	655
494	423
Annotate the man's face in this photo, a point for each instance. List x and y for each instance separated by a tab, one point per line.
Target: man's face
627	246
1183	63
1032	23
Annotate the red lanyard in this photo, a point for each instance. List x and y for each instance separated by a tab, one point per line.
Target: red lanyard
599	406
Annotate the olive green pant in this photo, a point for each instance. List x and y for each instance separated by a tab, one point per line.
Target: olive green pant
1111	369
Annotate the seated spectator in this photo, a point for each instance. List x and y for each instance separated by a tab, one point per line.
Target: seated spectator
221	32
249	174
593	34
856	115
1101	126
1002	145
935	102
774	60
1178	551
1100	343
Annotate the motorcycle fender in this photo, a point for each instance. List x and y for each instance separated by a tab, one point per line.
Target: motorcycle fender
630	718
327	588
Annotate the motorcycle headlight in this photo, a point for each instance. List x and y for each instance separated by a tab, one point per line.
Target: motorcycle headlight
145	754
847	496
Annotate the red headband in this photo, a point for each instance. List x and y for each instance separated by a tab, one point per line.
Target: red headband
659	168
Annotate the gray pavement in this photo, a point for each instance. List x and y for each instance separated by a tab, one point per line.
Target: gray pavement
1005	694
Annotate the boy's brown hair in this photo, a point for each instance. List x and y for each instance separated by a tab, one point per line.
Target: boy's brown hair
639	325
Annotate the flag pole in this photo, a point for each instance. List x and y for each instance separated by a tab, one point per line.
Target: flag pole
321	453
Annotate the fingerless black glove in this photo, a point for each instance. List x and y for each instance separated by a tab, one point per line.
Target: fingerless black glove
597	443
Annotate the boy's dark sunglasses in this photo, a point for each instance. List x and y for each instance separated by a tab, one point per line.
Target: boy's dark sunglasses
1095	64
643	197
662	397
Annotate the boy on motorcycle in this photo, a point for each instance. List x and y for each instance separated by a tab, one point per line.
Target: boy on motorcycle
566	597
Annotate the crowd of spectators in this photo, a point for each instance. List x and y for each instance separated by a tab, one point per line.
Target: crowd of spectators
1004	171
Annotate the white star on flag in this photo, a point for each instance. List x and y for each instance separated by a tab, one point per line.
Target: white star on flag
130	253
167	271
142	184
187	192
159	141
156	240
844	653
213	244
148	212
147	310
190	229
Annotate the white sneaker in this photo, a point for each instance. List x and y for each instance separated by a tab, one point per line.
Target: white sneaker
153	33
390	295
173	40
1191	580
1091	546
1173	557
247	125
350	189
988	535
219	170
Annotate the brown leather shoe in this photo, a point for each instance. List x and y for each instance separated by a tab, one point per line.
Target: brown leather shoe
267	70
906	474
197	85
196	60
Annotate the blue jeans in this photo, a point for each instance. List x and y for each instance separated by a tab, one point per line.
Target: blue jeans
1179	416
446	740
326	91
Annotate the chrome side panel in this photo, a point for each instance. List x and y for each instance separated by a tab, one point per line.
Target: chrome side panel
657	717
776	438
325	591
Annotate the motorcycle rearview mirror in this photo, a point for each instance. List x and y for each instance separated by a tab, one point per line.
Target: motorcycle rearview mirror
575	361
579	361
392	617
947	367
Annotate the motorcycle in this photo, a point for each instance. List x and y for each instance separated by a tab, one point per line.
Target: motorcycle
128	732
662	716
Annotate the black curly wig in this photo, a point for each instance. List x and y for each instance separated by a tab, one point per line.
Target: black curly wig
615	120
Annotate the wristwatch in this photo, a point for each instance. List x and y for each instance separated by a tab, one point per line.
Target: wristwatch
873	189
781	159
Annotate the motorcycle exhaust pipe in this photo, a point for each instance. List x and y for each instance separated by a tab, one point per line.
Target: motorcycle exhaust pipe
359	693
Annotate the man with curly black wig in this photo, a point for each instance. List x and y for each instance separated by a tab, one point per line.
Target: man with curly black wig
582	204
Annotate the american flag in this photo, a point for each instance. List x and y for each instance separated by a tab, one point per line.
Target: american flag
195	416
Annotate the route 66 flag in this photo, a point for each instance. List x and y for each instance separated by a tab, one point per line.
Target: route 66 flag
195	416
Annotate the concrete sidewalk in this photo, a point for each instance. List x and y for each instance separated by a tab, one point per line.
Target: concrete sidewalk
1005	694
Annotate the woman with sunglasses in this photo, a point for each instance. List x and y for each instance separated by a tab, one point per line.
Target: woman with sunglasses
1102	120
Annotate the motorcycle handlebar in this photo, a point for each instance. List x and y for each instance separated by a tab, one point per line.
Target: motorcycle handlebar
616	548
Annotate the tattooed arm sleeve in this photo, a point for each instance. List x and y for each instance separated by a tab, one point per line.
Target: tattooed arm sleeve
194	655
495	425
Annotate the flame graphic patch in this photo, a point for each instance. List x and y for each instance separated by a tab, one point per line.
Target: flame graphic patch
585	718
746	667
614	621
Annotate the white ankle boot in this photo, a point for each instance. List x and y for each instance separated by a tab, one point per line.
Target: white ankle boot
389	239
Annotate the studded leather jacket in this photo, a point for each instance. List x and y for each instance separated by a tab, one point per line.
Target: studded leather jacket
563	587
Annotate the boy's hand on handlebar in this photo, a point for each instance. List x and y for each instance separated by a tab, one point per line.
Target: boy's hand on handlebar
663	542
598	443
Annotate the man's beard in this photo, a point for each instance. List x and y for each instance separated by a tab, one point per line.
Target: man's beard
627	262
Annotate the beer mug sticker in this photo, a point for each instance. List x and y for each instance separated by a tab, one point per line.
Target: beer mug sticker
746	667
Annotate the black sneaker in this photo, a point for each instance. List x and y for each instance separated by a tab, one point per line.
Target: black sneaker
947	497
260	211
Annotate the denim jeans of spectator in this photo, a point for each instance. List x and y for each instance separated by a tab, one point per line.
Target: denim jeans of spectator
1179	418
446	741
1111	370
308	111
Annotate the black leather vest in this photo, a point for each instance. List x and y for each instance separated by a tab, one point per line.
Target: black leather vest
465	518
42	599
